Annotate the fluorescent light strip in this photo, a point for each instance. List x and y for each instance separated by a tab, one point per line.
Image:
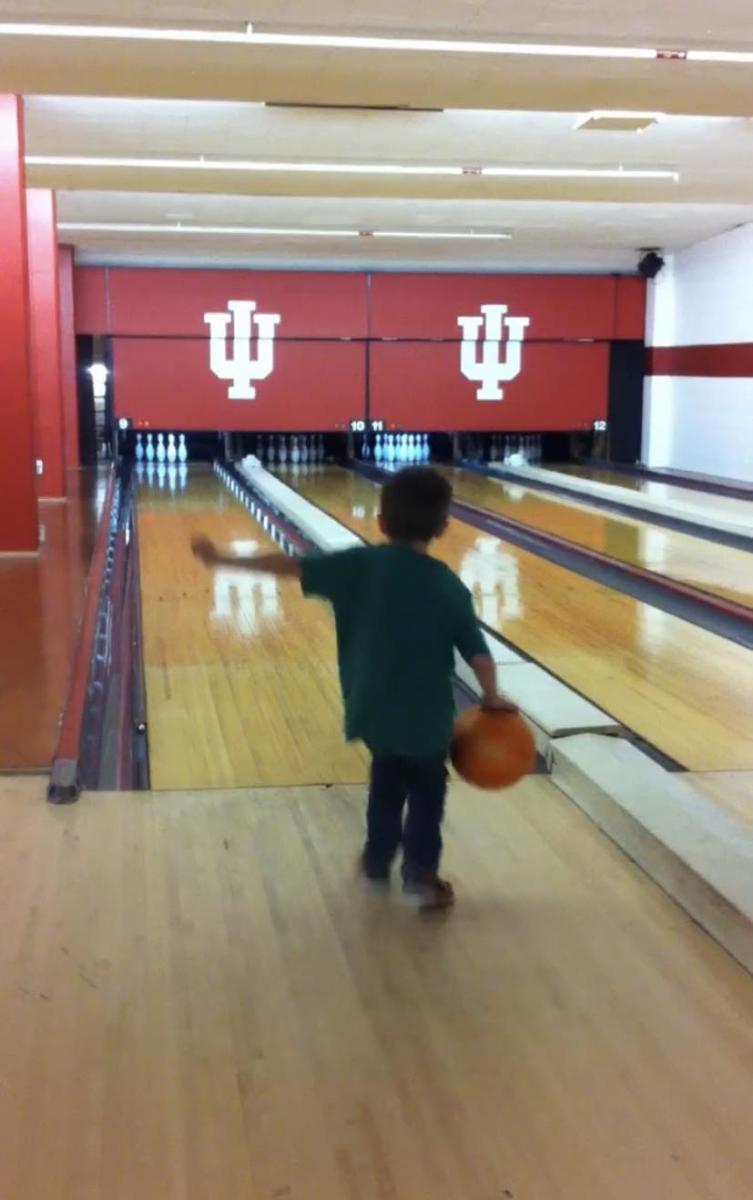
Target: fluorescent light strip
394	233
580	173
235	164
346	42
244	230
261	231
303	168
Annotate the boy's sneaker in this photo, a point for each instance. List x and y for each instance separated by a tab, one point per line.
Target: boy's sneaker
428	892
378	879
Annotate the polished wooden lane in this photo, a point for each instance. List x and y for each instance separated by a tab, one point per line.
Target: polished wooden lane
197	1003
731	790
684	690
697	562
41	602
241	674
725	506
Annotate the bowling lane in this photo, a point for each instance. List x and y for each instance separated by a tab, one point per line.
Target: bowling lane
725	506
697	562
241	676
686	691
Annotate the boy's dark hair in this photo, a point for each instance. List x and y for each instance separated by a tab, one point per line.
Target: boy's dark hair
415	504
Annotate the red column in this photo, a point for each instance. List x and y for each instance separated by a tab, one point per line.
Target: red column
19	528
46	361
68	358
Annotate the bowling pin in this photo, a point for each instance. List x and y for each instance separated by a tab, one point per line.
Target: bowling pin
149	448
139	448
427	448
282	450
160	447
182	449
304	451
172	453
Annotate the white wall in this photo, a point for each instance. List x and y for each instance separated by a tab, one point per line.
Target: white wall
702	297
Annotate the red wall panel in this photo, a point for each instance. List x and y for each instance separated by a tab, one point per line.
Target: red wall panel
46	359
428	306
419	386
157	317
19	528
90	300
630	308
173	303
68	358
167	384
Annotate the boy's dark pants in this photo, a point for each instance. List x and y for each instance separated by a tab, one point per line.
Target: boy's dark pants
422	783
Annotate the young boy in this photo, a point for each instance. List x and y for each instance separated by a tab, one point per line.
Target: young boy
399	616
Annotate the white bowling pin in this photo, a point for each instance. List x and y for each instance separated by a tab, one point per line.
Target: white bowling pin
378	450
160	447
304	451
282	450
295	454
172	452
139	448
149	448
182	449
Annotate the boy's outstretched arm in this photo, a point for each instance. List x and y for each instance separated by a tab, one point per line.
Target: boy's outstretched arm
268	564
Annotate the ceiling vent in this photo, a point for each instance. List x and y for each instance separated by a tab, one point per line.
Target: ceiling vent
618	122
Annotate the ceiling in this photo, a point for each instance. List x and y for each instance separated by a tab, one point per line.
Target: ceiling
107	97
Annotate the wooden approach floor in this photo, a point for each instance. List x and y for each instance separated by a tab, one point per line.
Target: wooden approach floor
197	1002
685	690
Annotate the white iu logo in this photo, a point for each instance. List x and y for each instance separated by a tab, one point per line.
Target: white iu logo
488	371
243	368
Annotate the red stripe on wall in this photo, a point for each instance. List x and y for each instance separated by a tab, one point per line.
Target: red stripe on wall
714	362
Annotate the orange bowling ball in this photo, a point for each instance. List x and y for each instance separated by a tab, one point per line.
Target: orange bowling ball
491	749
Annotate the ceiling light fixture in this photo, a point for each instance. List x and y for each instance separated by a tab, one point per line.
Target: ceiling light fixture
264	231
232	230
319	168
426	233
236	164
250	38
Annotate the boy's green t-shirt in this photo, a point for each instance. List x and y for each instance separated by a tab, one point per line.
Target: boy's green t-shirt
399	616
